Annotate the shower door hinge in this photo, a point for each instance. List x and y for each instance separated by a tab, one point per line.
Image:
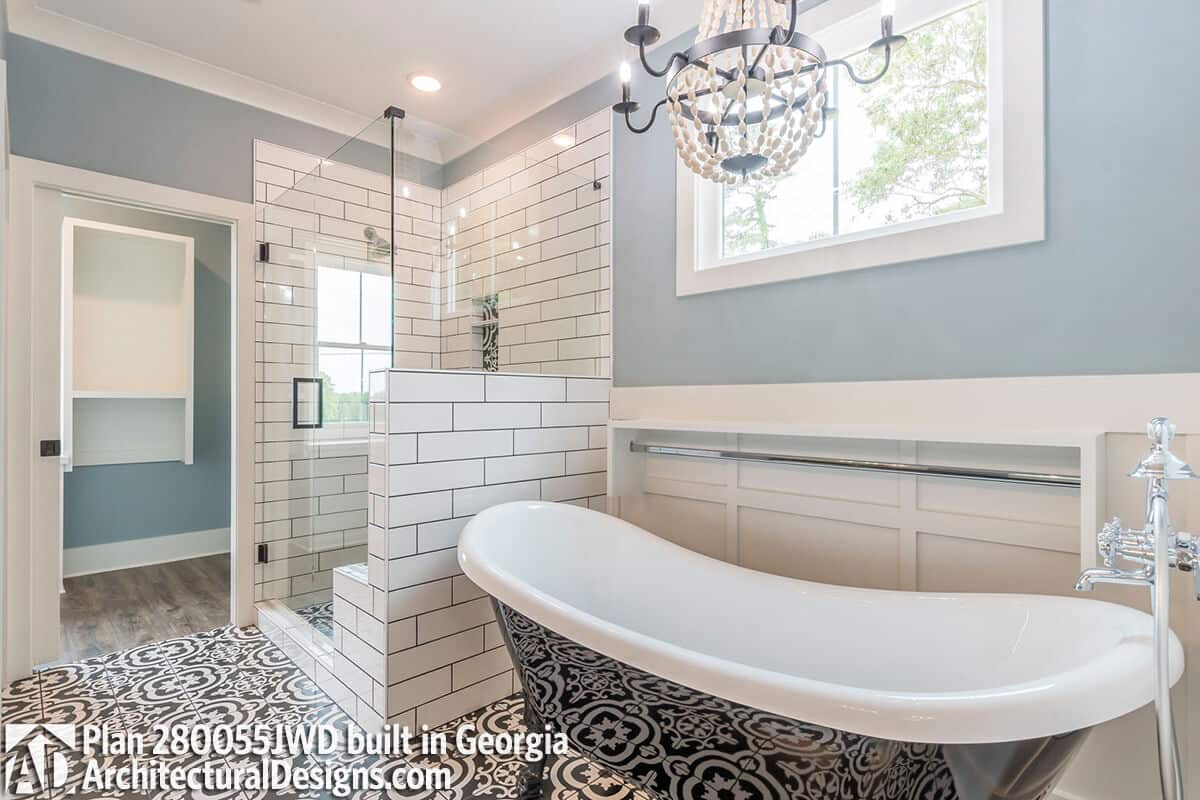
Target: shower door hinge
263	556
264	251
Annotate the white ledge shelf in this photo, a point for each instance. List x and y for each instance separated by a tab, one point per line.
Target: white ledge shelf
927	433
119	395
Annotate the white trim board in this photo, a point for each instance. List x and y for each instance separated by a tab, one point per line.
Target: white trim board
968	407
29	358
144	552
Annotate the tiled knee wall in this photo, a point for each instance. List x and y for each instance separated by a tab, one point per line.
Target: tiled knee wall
418	636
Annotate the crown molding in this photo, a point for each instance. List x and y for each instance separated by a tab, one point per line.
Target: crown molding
25	18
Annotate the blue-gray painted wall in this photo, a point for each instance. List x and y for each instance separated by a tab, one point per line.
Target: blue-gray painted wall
1122	207
118	502
72	109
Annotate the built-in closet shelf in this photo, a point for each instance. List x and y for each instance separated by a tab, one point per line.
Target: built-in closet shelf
97	395
128	345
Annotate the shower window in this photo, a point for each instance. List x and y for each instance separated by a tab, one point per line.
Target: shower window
943	155
353	338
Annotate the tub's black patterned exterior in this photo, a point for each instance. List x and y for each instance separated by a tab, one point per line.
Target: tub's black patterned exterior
686	745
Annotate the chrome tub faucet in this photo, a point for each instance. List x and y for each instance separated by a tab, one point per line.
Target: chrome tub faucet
1155	549
1137	545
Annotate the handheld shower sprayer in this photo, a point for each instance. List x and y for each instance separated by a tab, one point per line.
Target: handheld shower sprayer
1155	548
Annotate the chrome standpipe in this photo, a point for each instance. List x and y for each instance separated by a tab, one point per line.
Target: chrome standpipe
1156	548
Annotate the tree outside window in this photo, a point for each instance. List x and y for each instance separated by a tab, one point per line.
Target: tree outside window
913	146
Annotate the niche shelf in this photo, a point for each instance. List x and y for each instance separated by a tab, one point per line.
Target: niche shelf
128	363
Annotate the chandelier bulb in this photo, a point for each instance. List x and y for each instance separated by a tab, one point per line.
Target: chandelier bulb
643	12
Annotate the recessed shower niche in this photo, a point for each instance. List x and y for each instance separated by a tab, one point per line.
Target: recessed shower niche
128	307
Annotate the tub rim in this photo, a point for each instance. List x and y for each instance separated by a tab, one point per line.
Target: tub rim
1116	683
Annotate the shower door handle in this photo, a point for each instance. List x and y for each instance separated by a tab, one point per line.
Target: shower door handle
318	386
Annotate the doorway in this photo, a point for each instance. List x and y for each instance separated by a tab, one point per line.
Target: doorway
146	415
84	505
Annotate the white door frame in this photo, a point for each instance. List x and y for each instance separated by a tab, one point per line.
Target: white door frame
31	582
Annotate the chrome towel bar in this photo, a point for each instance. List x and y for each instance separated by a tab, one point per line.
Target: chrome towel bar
921	470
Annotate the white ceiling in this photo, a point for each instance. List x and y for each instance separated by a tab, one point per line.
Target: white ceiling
499	60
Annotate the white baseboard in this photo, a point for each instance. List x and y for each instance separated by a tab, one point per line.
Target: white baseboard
144	552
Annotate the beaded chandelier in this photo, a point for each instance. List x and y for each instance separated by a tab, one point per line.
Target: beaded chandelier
748	98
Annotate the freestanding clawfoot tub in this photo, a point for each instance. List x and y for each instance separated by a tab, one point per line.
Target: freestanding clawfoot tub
700	679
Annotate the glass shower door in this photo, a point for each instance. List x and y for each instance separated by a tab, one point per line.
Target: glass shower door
336	223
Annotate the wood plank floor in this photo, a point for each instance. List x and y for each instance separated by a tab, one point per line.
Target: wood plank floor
112	611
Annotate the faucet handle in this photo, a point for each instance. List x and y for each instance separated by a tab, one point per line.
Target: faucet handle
1109	541
1187	556
1160	430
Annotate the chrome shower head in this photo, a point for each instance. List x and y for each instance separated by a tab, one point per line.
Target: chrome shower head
1162	463
377	245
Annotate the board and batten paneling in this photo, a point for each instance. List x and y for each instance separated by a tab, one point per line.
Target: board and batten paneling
857	528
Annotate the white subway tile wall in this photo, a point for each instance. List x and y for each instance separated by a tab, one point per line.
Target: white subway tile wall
311	489
535	230
360	638
480	439
373	521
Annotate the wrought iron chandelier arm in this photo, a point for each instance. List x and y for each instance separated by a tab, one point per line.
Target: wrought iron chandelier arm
887	63
653	115
670	61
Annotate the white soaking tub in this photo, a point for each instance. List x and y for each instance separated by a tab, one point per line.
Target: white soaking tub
607	622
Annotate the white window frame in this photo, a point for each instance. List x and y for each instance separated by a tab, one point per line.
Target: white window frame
1015	213
347	429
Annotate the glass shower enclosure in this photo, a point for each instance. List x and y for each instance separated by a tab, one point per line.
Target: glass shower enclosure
327	269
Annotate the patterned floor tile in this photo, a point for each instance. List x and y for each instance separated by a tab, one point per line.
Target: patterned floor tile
21	701
319	616
230	676
230	647
149	697
77	694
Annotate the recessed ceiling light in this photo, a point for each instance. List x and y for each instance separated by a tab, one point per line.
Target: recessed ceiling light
564	140
424	83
